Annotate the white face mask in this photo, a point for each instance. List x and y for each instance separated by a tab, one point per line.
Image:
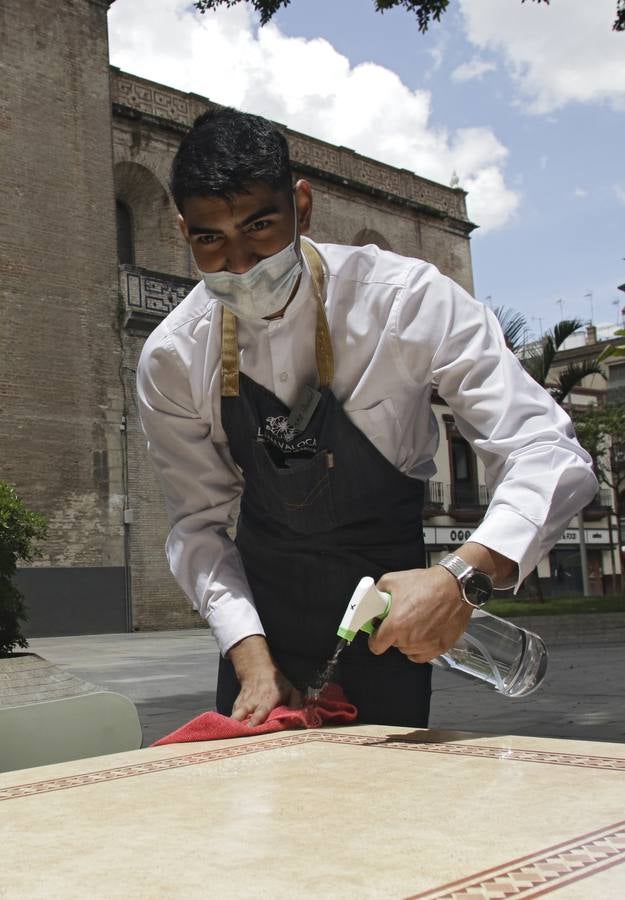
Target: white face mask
262	291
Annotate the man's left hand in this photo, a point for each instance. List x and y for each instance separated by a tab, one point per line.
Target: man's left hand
427	615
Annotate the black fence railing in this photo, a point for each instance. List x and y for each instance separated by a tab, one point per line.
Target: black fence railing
443	496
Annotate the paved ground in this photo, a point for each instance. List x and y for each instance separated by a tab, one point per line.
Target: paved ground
171	677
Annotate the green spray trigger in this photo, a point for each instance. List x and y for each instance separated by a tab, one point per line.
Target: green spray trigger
367	605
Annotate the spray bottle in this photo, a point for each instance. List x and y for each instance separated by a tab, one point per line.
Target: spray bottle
510	659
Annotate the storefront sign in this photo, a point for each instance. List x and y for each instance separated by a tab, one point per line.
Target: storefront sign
458	535
454	536
593	536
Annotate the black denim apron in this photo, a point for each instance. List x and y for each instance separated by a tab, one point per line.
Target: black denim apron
321	508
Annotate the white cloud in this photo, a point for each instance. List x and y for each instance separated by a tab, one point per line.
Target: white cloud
493	202
556	54
619	190
437	54
475	68
310	87
580	192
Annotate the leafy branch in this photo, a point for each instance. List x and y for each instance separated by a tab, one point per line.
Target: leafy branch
426	11
20	531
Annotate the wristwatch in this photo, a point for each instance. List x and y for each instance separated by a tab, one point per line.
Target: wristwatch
476	587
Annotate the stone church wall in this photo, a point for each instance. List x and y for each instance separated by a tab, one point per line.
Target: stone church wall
78	136
59	350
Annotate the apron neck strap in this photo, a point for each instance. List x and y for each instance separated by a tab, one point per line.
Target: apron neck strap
229	354
323	343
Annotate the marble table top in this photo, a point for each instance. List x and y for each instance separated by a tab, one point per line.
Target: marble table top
364	811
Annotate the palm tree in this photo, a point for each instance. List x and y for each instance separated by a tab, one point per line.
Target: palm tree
539	361
538	358
514	326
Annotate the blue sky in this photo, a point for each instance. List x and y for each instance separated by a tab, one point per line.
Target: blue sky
526	102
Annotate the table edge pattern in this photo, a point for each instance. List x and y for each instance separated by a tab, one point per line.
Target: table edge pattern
248	746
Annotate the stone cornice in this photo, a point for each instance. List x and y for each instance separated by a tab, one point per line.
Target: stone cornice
175	111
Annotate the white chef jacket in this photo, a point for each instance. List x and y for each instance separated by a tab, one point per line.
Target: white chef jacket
399	329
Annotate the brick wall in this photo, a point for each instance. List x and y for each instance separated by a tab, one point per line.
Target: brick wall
59	353
157	601
66	366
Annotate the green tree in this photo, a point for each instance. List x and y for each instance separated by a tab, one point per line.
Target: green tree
539	362
601	430
20	529
426	11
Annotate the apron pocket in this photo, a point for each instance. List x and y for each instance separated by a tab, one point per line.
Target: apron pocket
380	426
298	494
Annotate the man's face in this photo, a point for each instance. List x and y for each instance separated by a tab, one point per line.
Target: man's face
234	235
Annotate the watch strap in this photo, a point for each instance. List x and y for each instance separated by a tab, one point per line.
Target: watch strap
461	570
458	567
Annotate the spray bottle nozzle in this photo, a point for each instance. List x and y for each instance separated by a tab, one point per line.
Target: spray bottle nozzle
366	605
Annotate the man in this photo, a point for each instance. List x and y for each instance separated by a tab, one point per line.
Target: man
298	378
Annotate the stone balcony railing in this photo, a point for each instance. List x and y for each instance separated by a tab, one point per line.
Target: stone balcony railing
146	297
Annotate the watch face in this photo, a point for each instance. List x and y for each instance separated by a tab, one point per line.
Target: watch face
478	588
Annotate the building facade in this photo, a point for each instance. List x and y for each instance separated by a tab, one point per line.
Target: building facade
602	527
92	260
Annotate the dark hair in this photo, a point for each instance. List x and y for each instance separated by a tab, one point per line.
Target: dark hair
225	152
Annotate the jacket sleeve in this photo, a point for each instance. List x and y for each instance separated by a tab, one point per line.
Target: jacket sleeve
539	475
201	485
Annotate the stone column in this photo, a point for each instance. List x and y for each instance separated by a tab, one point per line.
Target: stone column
60	386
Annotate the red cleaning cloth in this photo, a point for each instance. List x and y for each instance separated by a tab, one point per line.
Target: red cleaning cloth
331	708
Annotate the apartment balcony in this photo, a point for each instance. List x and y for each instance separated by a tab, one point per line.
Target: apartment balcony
146	297
435	499
599	506
466	503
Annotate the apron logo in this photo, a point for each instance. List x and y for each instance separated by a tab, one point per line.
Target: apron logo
279	433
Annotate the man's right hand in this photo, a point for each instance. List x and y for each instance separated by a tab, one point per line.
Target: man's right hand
263	686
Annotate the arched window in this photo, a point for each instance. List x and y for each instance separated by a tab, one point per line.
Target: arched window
150	219
369	236
125	243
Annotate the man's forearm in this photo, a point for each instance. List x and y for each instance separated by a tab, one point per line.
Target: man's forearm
251	656
501	569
